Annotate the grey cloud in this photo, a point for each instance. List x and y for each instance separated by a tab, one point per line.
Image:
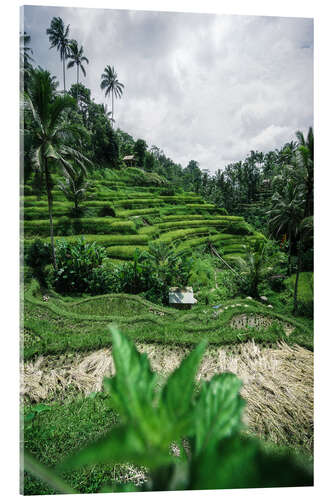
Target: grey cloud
203	87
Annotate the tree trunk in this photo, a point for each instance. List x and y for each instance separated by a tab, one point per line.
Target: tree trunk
112	110
77	83
289	256
49	200
299	259
63	69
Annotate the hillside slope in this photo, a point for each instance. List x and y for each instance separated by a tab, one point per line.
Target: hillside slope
144	210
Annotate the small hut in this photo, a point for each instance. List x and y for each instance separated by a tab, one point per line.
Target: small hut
182	298
129	160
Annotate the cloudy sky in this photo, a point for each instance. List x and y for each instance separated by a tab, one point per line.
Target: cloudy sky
204	87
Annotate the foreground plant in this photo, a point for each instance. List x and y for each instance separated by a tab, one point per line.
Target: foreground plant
203	426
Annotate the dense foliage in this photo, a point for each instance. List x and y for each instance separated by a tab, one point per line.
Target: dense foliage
80	268
152	272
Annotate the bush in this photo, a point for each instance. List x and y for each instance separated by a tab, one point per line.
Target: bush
64	226
107	211
79	268
38	256
151	272
202	273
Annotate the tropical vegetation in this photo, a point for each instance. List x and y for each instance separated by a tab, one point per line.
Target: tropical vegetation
103	242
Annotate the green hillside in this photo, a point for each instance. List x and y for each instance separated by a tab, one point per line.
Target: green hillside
142	214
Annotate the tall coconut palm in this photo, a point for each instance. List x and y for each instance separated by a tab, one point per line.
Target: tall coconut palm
58	37
111	85
52	134
77	57
304	162
25	50
25	57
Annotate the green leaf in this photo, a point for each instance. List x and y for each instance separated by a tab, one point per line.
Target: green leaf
40	408
178	393
122	445
218	411
133	387
240	462
45	474
29	417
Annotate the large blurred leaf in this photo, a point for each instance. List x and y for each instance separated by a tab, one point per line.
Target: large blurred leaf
218	411
45	474
133	392
240	462
178	393
132	388
122	445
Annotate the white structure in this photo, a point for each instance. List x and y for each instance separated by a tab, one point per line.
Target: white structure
182	298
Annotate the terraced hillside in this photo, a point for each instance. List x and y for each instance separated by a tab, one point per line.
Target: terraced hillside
122	216
67	342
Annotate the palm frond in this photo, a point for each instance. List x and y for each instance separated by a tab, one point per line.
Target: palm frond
59	105
36	159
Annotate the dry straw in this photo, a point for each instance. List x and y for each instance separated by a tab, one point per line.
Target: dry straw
277	382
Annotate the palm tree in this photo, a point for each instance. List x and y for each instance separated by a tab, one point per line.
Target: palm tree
111	85
77	57
51	134
25	56
251	267
106	112
304	160
286	214
74	188
58	37
25	50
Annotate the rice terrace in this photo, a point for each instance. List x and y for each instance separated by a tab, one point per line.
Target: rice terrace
167	311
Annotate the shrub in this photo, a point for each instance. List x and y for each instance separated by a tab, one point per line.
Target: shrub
151	272
79	267
228	284
202	273
38	256
64	226
107	211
